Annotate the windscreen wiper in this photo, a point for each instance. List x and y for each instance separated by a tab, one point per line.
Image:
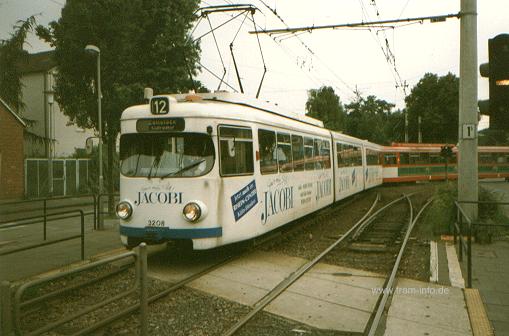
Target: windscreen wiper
186	168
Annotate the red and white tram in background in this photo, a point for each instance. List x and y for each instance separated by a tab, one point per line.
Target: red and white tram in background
218	168
404	162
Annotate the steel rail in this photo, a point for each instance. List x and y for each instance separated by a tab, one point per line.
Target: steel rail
21	290
183	282
389	286
282	286
73	287
155	297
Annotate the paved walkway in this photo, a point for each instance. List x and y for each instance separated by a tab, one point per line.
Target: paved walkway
490	271
35	261
490	274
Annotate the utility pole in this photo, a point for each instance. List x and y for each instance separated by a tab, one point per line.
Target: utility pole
419	135
406	126
468	188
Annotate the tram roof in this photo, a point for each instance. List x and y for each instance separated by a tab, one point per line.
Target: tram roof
238	99
238	107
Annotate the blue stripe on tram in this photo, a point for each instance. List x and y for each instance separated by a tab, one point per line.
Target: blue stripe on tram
158	233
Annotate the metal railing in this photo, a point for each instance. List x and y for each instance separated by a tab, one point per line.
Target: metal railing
7	224
11	312
45	207
466	226
97	212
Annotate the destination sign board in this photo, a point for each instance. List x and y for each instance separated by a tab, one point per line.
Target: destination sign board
161	125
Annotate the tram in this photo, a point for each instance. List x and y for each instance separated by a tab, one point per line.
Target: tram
218	168
405	162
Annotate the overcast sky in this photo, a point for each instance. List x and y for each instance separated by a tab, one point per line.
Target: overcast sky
345	59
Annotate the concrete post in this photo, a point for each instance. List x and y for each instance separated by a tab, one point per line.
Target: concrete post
467	134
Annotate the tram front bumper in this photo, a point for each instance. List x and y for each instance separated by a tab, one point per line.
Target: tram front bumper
166	233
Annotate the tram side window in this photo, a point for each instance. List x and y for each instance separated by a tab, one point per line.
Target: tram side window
236	148
308	154
404	158
485	158
371	157
436	158
340	159
268	153
284	153
357	156
390	159
298	152
503	158
317	154
326	154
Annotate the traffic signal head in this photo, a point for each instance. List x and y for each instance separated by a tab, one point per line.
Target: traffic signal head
499	81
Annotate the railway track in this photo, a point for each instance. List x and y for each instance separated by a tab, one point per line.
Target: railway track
367	223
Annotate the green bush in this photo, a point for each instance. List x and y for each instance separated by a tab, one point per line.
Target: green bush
441	215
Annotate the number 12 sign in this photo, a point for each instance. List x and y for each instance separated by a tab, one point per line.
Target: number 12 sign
159	105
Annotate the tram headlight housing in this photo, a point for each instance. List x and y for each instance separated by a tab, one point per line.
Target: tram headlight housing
192	212
124	210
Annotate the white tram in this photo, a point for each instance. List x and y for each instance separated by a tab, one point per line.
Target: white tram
218	168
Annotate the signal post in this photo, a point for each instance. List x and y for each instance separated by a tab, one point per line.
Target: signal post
468	188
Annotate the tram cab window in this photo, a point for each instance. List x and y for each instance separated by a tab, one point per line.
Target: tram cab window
236	150
268	154
308	154
298	152
284	153
166	155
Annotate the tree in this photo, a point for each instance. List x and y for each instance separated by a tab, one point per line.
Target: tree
12	58
12	55
436	100
143	43
324	104
370	118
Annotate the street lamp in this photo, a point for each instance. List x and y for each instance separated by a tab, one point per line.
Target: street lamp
92	49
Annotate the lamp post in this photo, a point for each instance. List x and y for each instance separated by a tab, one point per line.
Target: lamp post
92	49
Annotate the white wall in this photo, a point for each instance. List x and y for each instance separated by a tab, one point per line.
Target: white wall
67	136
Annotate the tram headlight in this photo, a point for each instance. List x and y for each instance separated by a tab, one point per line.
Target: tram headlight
192	212
124	210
